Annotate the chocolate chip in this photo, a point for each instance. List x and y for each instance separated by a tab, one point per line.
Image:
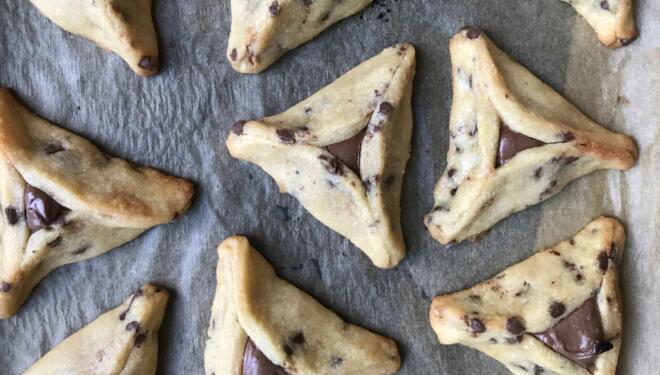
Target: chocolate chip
53	148
514	340
565	160
515	326
472	33
385	108
148	63
332	165
42	211
55	242
133	326
287	349
555	252
12	215
286	136
604	346
557	309
237	128
336	361
370	182
476	325
138	293
139	339
5	287
538	370
605	5
233	55
79	251
579	277
474	130
274	8
538	172
569	266
567	137
453	191
451	172
603	261
298	338
613	254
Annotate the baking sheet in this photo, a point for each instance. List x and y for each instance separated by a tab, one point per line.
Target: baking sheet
178	120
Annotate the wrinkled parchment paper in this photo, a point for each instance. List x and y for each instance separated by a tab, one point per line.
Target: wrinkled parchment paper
178	120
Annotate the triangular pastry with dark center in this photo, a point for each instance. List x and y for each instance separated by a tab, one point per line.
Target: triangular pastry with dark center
124	27
63	200
263	30
513	142
122	341
342	152
558	312
261	324
611	19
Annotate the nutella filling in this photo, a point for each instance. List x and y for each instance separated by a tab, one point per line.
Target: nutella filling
41	210
256	363
579	336
348	151
511	143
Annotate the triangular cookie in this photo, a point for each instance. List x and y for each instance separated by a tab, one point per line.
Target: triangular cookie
263	30
122	341
514	142
558	312
124	27
63	200
261	324
611	19
342	152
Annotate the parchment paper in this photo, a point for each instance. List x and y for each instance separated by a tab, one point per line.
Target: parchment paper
178	120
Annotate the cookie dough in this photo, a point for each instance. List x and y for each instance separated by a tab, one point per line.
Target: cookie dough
343	151
123	341
62	200
558	312
262	324
611	19
263	30
124	27
513	142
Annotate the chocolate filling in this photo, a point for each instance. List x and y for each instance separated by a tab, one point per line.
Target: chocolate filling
256	363
511	143
579	336
348	151
41	210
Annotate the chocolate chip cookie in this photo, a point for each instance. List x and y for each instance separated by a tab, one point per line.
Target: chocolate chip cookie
124	27
558	312
343	151
122	341
64	201
261	324
263	30
513	142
